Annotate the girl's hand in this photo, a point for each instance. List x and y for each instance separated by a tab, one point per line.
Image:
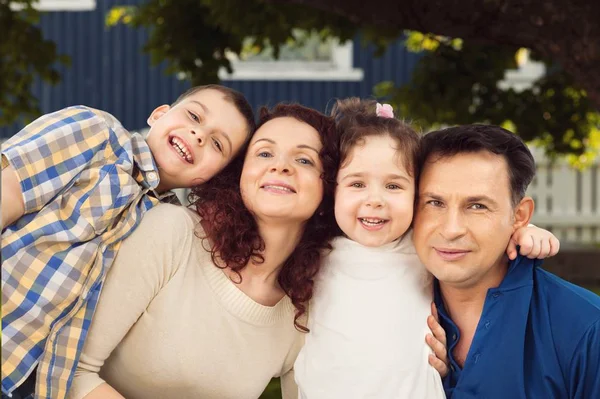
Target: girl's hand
437	342
534	243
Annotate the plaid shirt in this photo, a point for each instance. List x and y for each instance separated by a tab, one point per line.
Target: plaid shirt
86	183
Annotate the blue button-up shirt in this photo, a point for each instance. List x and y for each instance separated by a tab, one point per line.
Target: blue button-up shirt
538	337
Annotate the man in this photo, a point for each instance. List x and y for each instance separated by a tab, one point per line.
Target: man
513	329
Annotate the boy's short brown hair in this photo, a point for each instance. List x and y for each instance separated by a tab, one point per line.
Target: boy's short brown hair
231	95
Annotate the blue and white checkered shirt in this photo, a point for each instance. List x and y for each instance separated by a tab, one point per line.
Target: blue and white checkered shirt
86	183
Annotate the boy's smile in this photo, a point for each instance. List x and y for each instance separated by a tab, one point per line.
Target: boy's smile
193	140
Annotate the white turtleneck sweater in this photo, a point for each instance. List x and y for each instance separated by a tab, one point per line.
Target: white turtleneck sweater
368	321
170	324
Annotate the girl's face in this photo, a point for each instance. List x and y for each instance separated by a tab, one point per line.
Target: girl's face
281	178
375	193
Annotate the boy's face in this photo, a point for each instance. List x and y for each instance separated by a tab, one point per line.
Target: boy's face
375	193
192	141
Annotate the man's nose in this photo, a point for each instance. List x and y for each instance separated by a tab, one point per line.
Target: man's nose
453	224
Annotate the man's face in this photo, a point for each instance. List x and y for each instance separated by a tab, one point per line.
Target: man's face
464	218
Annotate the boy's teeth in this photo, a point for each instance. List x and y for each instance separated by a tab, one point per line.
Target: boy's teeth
181	149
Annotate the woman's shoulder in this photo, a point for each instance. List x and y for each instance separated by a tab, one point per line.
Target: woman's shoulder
171	215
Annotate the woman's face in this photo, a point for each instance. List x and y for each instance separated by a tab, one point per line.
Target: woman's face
281	179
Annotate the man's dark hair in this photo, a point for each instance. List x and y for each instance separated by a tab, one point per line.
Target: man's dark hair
475	138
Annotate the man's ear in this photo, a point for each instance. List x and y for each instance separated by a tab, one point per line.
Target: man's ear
158	113
523	213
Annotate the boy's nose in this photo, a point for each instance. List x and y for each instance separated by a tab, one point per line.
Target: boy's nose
198	136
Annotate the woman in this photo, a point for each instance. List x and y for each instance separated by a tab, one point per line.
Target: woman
209	304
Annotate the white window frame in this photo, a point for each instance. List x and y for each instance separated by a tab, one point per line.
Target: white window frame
340	68
64	5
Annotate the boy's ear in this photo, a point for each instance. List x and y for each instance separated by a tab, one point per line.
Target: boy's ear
523	213
157	113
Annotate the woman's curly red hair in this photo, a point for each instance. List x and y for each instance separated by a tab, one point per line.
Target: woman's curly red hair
233	232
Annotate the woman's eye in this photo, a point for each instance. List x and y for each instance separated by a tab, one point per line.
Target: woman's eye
264	154
305	161
194	117
218	145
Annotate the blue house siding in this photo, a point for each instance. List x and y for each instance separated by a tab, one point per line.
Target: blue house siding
109	71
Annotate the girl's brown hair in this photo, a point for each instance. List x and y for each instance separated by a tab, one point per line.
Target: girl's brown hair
356	119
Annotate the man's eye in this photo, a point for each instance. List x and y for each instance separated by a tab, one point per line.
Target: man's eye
478	207
434	203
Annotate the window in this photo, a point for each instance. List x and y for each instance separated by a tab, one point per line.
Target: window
64	5
306	59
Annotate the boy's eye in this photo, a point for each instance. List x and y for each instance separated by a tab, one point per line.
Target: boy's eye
393	186
194	117
357	185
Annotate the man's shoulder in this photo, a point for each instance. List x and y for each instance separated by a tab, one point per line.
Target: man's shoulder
566	294
572	310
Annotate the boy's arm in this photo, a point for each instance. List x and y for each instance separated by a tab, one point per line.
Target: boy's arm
12	196
49	154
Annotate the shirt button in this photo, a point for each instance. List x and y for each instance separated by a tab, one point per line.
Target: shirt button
496	294
152	175
487	324
453	337
452	368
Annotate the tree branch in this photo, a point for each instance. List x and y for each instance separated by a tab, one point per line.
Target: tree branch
566	31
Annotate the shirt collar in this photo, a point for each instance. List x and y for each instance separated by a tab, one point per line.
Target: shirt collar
519	274
143	159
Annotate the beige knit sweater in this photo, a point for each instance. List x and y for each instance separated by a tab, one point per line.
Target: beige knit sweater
170	324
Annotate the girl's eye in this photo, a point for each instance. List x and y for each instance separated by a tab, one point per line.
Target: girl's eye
218	145
357	185
305	161
194	117
393	187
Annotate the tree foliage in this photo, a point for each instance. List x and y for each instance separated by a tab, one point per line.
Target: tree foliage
25	56
455	82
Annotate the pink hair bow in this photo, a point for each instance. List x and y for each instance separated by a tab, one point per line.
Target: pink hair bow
384	111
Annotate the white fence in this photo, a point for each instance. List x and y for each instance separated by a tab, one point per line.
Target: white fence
567	201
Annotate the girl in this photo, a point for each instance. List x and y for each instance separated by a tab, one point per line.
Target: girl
372	298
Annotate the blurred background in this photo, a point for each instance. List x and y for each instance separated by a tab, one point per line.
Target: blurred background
529	68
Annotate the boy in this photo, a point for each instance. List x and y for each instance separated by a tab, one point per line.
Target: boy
75	183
